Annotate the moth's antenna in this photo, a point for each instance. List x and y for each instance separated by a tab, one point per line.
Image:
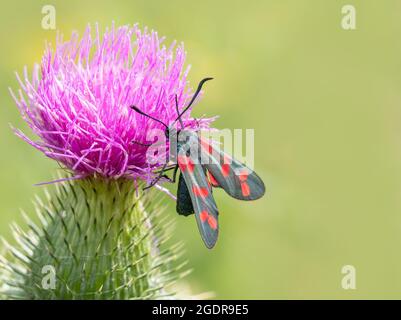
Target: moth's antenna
178	112
135	108
193	98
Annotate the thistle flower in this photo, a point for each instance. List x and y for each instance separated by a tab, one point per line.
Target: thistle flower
100	233
77	102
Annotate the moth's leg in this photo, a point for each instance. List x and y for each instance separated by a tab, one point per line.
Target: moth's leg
156	180
142	144
147	144
172	180
166	169
175	173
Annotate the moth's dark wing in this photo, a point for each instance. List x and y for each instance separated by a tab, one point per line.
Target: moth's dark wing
184	202
200	191
234	177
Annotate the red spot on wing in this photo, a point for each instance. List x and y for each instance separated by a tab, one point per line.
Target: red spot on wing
200	192
212	222
243	176
185	163
204	215
246	191
191	165
225	170
182	162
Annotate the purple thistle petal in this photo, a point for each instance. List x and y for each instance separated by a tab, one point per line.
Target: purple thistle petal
78	100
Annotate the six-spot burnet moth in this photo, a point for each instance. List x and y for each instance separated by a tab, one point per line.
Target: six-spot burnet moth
203	167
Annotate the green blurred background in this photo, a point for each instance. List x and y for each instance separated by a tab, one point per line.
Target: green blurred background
326	107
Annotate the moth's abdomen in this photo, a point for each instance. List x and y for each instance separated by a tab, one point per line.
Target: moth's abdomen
184	203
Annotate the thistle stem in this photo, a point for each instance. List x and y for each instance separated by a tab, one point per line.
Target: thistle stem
98	239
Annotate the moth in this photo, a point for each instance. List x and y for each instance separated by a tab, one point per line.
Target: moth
203	166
